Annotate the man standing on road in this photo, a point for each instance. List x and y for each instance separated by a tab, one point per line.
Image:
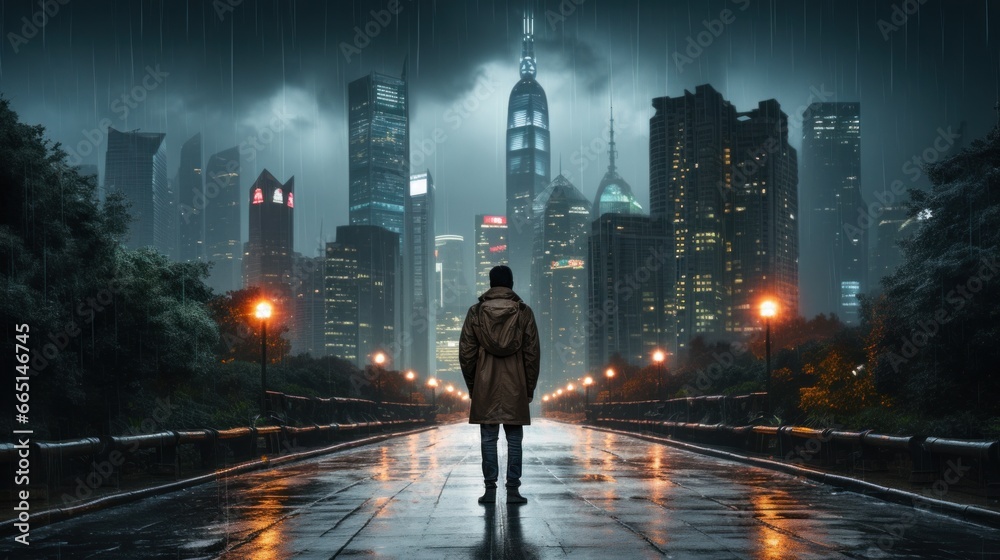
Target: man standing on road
499	355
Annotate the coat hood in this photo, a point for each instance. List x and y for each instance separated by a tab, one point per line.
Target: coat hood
499	313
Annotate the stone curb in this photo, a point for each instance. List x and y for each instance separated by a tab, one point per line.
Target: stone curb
57	514
974	514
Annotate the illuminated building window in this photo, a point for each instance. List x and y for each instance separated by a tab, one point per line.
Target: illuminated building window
258	196
291	204
277	196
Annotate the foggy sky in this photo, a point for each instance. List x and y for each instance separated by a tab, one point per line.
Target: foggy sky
227	68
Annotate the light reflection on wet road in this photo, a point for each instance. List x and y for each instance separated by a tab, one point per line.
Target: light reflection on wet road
591	495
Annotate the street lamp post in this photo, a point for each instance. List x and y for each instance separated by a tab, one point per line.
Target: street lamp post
768	309
587	382
433	383
379	359
263	313
659	357
410	376
610	373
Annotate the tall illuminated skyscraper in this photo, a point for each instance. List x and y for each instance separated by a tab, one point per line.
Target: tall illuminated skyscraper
627	253
762	239
528	160
136	165
834	257
222	219
378	151
690	158
419	278
724	187
491	248
626	263
559	290
191	215
453	300
360	288
268	259
614	194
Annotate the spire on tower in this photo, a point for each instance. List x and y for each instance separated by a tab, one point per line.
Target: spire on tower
528	47
612	152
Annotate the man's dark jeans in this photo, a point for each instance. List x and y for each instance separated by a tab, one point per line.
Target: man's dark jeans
489	434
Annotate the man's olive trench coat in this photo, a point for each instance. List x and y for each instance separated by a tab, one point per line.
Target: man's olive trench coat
499	355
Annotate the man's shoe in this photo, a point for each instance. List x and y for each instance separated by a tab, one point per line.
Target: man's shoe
489	497
515	497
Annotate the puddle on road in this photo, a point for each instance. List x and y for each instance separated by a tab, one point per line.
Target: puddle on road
596	478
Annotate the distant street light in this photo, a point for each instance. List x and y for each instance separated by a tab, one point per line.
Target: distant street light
410	376
587	382
263	312
433	383
610	373
379	360
768	309
658	358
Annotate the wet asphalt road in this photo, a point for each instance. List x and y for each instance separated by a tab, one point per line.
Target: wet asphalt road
591	495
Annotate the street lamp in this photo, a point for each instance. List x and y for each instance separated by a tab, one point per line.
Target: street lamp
410	376
587	382
658	358
433	383
610	373
263	312
768	309
379	360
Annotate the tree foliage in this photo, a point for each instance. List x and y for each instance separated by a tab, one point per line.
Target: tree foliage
934	328
240	330
110	329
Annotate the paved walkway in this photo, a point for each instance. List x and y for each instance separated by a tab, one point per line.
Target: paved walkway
591	495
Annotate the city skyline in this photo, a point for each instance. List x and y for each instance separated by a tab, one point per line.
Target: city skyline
291	120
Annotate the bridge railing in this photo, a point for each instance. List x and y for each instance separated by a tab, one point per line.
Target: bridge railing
90	463
735	421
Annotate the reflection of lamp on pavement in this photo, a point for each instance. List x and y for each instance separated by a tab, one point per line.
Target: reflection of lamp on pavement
263	312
